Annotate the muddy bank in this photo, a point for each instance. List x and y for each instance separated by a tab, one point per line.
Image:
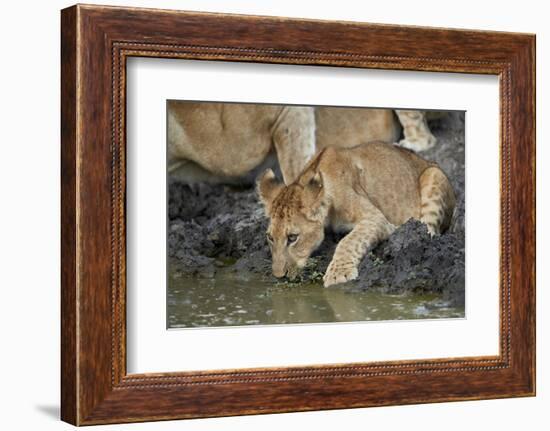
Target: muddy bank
211	227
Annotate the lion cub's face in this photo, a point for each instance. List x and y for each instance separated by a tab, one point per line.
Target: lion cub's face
296	226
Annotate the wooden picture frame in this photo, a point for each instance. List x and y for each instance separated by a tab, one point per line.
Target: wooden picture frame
95	43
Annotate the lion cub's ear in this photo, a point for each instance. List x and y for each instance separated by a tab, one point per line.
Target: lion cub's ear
316	182
314	196
268	188
312	182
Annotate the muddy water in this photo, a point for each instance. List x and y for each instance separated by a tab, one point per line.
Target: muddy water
231	300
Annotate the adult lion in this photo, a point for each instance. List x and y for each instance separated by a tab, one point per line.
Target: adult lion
229	142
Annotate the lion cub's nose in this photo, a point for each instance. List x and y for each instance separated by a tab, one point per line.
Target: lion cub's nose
279	272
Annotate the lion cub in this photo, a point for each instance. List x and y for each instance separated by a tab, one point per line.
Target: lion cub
366	190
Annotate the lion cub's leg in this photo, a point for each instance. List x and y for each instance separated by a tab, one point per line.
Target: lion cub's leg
418	136
437	200
353	247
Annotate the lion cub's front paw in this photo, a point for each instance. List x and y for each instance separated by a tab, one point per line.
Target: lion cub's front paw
337	274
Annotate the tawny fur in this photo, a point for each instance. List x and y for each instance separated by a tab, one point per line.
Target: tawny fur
367	190
417	134
220	142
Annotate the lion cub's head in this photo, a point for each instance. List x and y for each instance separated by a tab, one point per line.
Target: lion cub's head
297	213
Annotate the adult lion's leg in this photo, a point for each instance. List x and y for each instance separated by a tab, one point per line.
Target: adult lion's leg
437	200
418	136
294	140
353	247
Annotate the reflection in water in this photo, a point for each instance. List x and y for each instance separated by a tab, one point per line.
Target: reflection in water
227	300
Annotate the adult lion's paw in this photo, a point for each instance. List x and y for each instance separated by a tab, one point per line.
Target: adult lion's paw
420	143
337	274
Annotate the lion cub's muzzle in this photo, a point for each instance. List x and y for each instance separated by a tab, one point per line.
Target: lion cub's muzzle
285	270
278	271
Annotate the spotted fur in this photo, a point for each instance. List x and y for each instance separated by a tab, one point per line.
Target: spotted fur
367	190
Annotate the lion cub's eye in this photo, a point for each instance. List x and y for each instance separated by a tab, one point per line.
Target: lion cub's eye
292	238
269	237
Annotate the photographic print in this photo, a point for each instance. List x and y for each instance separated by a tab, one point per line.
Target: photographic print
239	208
283	214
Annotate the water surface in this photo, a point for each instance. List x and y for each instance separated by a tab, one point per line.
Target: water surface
229	299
